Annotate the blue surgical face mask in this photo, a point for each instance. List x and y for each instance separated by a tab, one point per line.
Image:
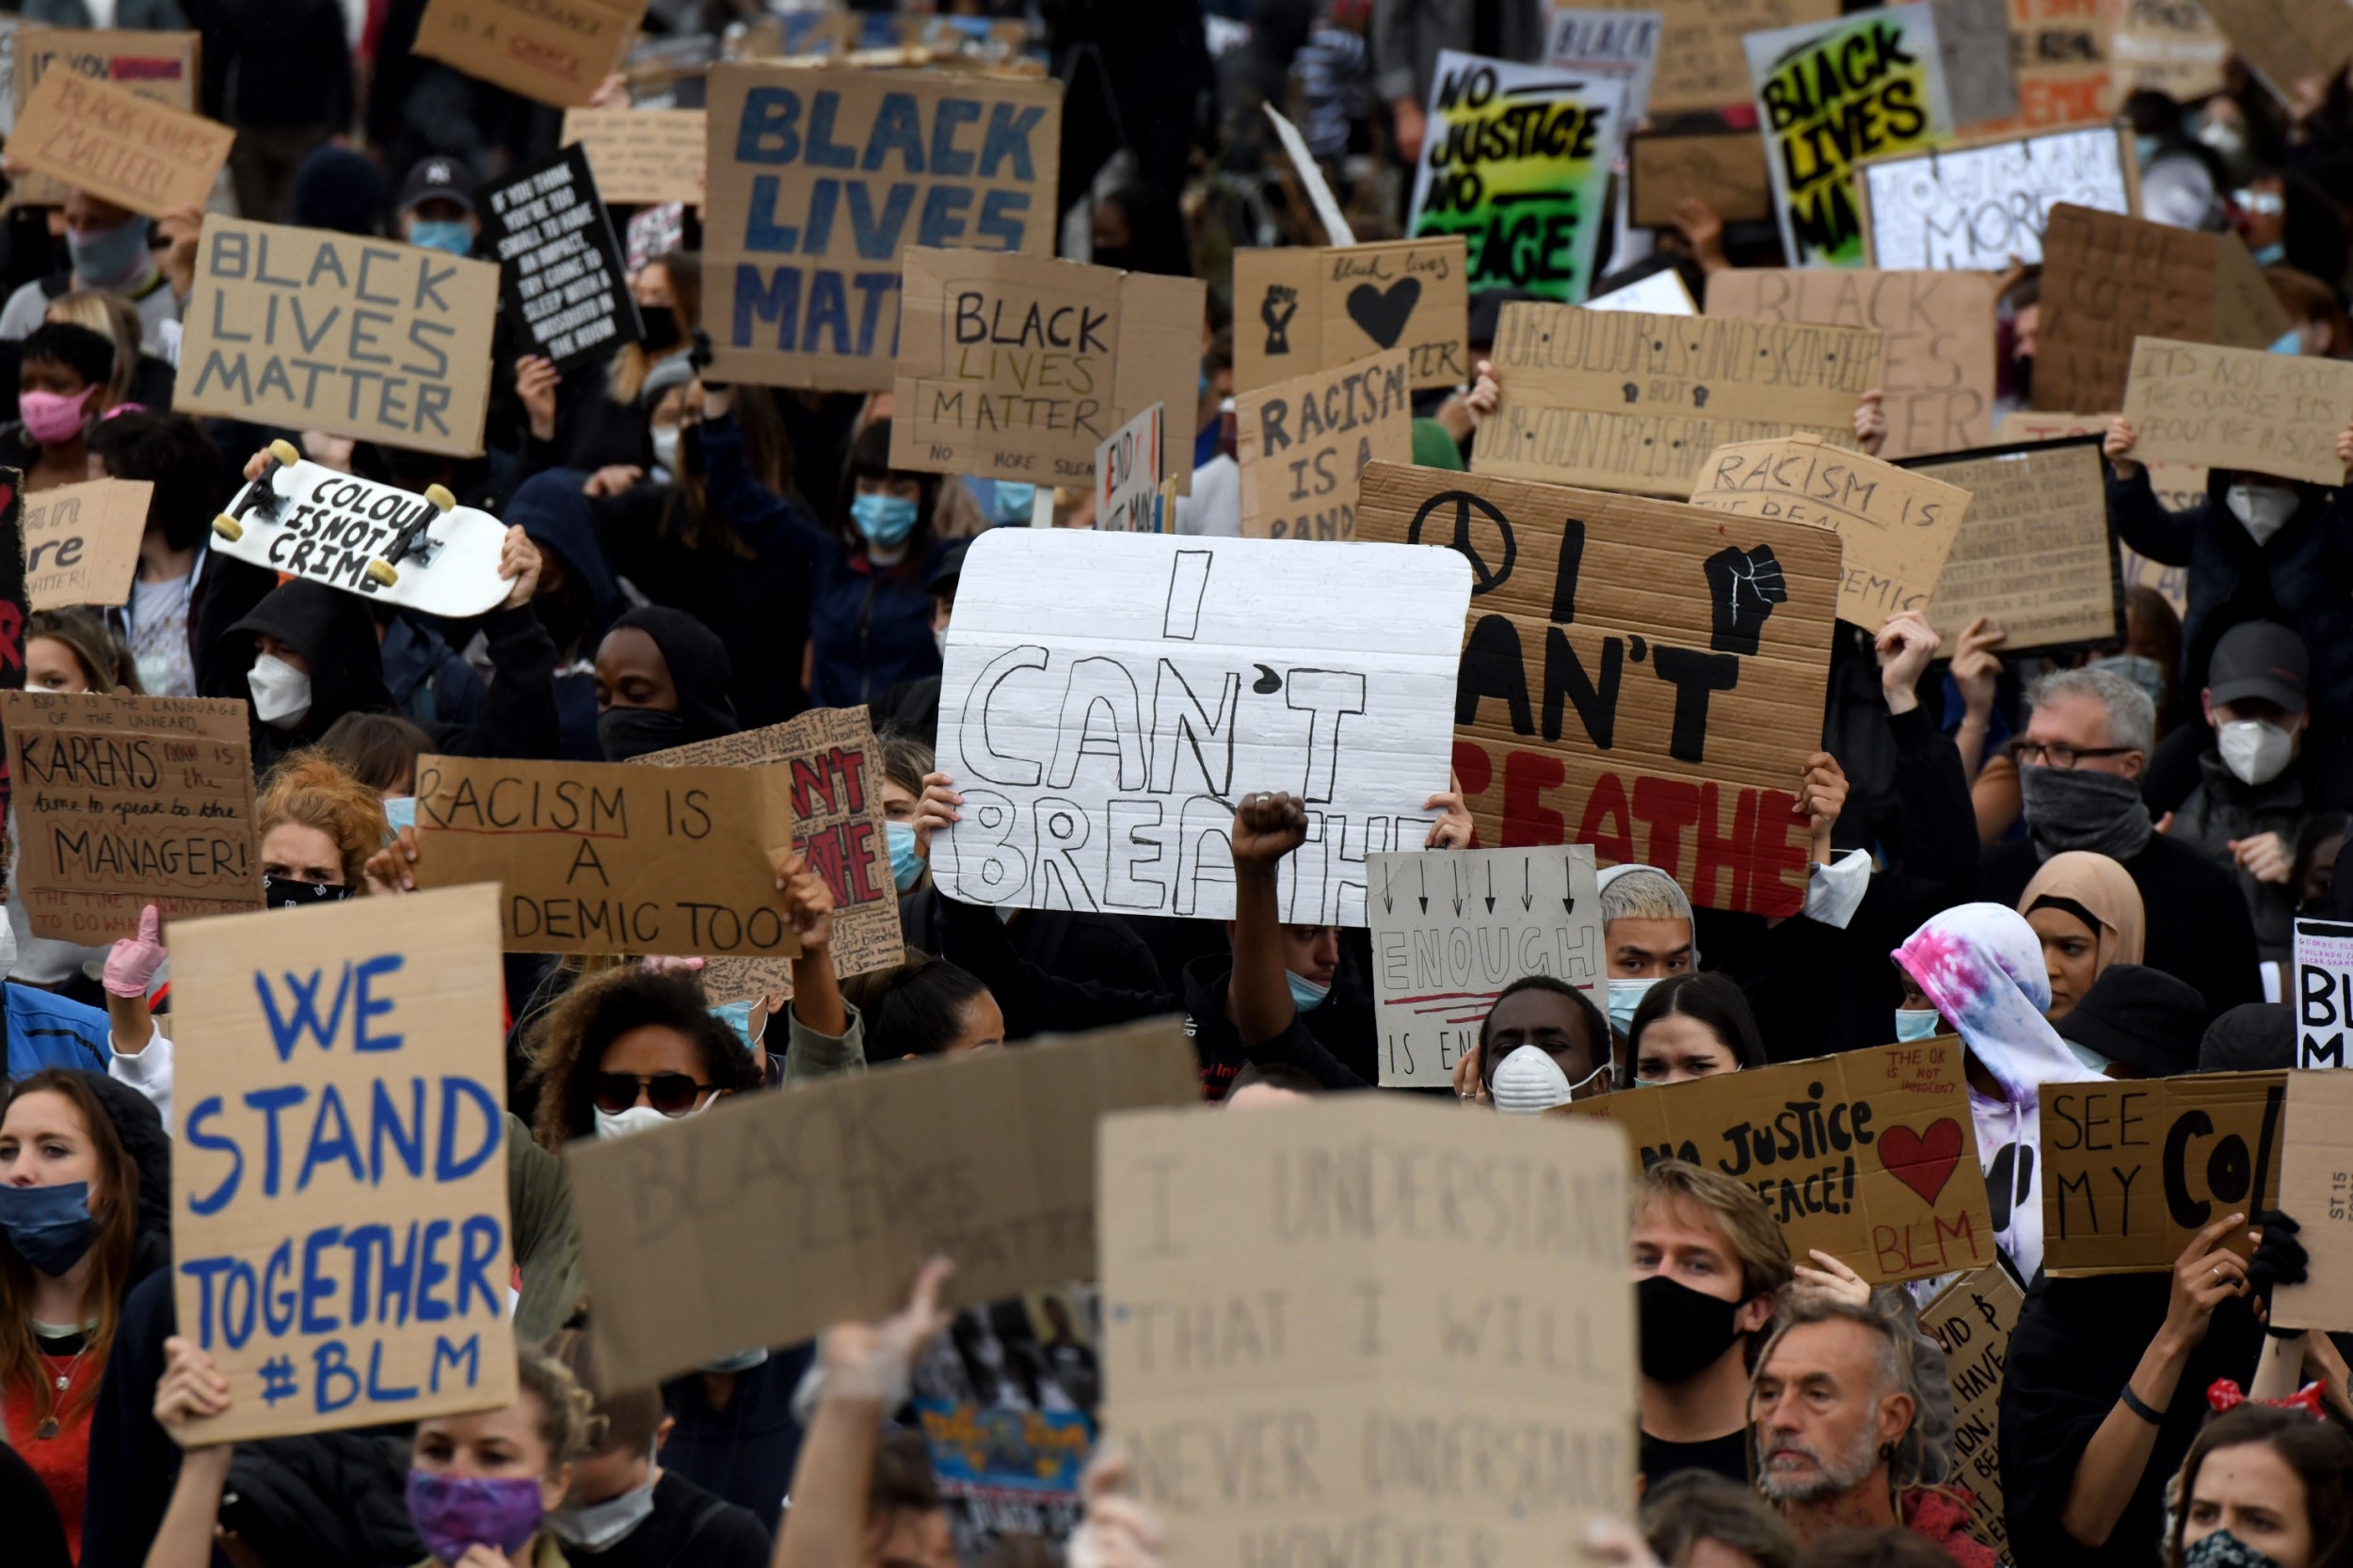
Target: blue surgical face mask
1015	501
2289	342
1305	993
1917	1023
2272	255
2088	1057
906	866
885	520
400	812
1625	997
455	235
51	1227
737	1016
2139	668
2145	148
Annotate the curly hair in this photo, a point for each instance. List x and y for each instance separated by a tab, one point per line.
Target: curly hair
310	789
567	1044
569	1422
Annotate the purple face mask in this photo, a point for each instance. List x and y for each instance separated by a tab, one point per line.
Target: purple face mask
453	1512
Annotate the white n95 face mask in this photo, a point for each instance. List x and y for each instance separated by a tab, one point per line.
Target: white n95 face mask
2262	510
2256	751
281	694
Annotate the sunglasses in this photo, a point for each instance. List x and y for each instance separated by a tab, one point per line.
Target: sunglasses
672	1094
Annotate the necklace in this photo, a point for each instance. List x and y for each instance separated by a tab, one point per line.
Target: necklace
65	1385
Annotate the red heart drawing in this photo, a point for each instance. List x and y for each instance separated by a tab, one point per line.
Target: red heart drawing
1925	1164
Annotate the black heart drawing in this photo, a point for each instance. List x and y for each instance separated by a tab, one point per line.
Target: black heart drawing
1383	315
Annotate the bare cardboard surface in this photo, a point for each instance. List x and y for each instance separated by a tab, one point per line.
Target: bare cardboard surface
796	293
1624	400
126	801
2108	280
1971	1320
2168	46
836	775
1869	1155
1895	526
343	1075
556	55
1973	42
1320	1288
2284	41
642	155
1451	928
599	858
849	1184
2131	1171
1938	377
2316	1192
162	67
1725	169
313	331
1306	310
1978	206
139	154
1017	367
1699	62
2034	556
1642	676
82	542
2245	409
1301	444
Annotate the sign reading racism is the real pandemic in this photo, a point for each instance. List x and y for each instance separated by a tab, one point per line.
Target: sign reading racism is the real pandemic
1301	444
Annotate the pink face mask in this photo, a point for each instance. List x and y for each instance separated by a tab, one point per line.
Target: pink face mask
52	418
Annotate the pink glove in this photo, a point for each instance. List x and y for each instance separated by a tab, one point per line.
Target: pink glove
133	962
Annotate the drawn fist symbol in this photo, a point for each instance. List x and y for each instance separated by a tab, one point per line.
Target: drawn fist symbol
1276	310
1699	397
1743	586
1632	391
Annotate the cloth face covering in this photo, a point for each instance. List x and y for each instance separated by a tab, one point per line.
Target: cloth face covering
625	732
2262	510
51	1227
104	258
453	1513
294	892
1683	1331
2083	809
54	419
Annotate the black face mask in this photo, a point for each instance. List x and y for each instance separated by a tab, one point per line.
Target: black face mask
1683	1332
660	328
2022	375
625	732
292	892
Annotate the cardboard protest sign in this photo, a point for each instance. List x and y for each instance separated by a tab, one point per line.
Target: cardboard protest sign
14	607
2178	486
2321	991
836	777
126	801
1869	1155
1624	401
1660	293
1894	527
1127	476
1972	1320
559	265
1451	929
2034	556
1517	161
118	146
2240	409
1621	44
314	331
1938	378
557	55
1830	94
342	1077
2061	51
1701	65
850	1183
1017	367
601	858
818	178
162	67
2285	40
1390	1365
1302	310
82	542
642	155
2316	1192
2108	280
1978	207
1973	42
2131	1171
1302	442
1099	755
1725	169
1640	675
2168	46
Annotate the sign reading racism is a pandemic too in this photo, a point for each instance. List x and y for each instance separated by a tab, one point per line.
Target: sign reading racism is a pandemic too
1302	443
818	178
2131	1171
311	331
1300	310
339	1216
1640	675
1018	367
1100	756
1870	1155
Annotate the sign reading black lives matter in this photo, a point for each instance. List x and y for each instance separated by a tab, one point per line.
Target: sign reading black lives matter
559	265
1100	756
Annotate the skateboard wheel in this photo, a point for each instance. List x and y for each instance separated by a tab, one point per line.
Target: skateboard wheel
440	498
228	527
287	453
382	571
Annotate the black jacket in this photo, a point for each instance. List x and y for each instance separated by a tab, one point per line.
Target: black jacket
2223	810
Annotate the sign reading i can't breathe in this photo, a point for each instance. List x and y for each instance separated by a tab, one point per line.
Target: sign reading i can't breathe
558	261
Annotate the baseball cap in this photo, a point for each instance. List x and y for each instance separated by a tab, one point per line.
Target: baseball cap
2260	660
437	179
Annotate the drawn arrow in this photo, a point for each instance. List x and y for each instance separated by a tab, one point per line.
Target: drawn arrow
1568	886
1388	903
1425	886
1458	888
1491	887
1528	885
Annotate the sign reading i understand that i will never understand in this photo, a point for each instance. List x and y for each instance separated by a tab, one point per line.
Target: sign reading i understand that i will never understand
1100	756
1337	1306
819	177
1640	675
339	1206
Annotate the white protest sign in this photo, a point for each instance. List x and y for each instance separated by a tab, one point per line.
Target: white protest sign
1100	753
1661	294
1127	476
1452	928
1619	44
1983	207
1335	228
2323	993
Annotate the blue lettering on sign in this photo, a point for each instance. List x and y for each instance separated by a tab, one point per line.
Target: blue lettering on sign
775	310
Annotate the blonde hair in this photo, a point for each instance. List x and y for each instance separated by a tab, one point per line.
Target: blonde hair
113	315
1737	1212
569	1422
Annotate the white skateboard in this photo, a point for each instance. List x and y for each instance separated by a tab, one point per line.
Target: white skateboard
420	552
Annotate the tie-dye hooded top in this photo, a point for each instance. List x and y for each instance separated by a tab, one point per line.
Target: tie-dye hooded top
1980	964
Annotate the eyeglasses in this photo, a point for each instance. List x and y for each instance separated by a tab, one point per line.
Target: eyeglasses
672	1094
2058	754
